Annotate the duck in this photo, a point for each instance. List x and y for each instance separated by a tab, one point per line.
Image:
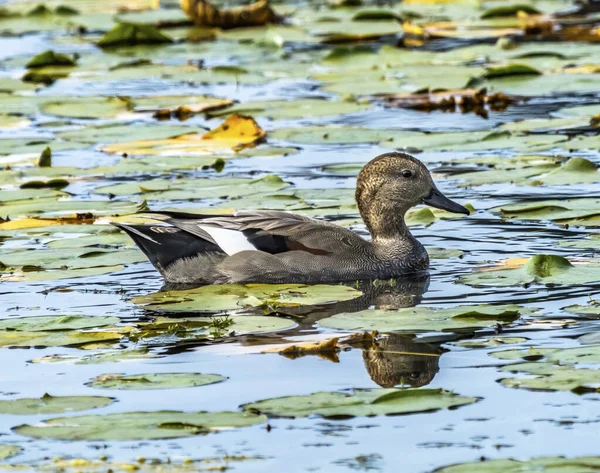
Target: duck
278	247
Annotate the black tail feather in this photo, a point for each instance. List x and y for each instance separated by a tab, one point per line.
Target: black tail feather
165	245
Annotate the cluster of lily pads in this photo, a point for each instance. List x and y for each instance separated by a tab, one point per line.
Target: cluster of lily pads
128	106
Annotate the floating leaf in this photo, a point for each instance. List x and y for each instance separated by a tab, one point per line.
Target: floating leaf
540	269
553	377
154	380
87	107
511	70
7	451
583	211
235	133
49	58
369	402
127	34
138	425
299	108
45	160
57	338
490	342
586	311
509	10
231	296
542	464
109	356
426	318
51	323
52	404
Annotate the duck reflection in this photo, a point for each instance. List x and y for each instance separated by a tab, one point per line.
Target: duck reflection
390	359
399	360
380	294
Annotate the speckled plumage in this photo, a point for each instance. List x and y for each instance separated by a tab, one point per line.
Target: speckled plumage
291	248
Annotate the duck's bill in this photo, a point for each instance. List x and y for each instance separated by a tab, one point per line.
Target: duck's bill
440	201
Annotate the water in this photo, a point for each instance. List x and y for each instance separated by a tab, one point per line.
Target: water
503	423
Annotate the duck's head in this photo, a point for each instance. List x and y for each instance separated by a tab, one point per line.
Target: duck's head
392	183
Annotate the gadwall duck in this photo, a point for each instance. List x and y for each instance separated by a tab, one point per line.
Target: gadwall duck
280	247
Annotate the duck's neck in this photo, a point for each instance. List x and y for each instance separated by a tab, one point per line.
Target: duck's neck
386	223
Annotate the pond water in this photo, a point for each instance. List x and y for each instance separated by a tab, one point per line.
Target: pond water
494	355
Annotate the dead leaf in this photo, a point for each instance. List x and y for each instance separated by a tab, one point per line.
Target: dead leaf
463	100
235	133
204	13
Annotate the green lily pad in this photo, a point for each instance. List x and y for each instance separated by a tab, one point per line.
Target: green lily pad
592	242
54	275
586	311
588	355
49	58
138	425
87	107
509	10
57	338
441	253
52	404
574	171
7	451
123	133
154	380
490	342
187	189
341	135
109	356
426	318
299	108
542	465
51	323
540	269
208	328
127	34
225	297
370	402
583	211
511	70
552	377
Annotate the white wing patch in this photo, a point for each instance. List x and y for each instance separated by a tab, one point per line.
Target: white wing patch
230	241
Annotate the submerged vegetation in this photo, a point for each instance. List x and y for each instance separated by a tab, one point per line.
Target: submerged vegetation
109	109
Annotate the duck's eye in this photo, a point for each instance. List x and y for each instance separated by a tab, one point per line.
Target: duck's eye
407	173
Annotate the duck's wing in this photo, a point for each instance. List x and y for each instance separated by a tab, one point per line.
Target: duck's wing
269	231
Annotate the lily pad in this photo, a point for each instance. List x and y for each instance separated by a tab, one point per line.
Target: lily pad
542	464
127	34
490	342
138	425
52	404
426	318
108	356
54	275
50	58
299	108
7	451
588	355
552	377
234	134
58	338
204	328
370	402
583	211
585	311
198	188
225	297
540	269
87	107
154	380
51	323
